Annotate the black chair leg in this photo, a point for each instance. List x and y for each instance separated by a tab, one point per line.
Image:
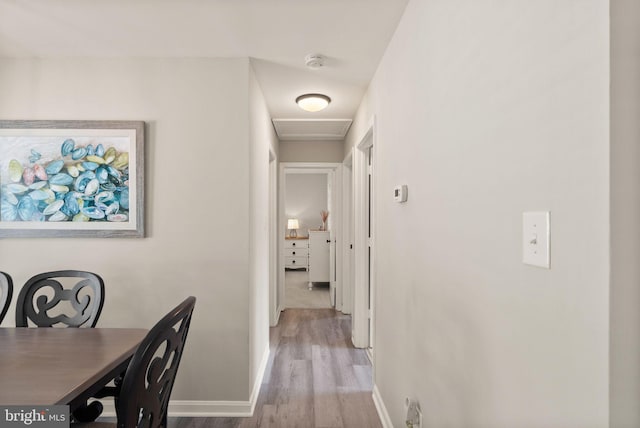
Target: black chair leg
89	412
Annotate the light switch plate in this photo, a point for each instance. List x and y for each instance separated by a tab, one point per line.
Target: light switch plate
535	238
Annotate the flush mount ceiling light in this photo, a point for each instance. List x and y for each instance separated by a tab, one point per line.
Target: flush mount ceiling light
313	102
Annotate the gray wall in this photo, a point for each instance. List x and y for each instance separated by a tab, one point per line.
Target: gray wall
305	196
262	138
625	213
311	151
485	110
198	209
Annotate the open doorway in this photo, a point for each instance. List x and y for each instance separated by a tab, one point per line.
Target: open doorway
308	260
306	247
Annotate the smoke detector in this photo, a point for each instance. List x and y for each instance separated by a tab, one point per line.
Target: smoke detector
314	61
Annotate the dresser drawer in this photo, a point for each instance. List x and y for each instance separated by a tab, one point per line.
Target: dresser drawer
296	262
296	252
296	243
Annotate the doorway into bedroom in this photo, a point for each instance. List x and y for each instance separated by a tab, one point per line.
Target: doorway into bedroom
306	199
309	219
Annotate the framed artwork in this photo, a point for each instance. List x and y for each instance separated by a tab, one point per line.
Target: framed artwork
71	179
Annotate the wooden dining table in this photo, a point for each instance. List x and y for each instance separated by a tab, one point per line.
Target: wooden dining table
46	366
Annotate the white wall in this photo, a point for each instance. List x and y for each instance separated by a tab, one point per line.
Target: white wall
485	110
198	184
305	196
625	214
311	151
262	138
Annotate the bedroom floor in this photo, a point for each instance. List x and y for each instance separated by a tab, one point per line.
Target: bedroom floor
298	295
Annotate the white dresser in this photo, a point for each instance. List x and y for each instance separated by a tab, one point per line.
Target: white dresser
296	253
319	245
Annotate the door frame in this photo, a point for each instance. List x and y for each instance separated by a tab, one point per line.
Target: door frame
361	336
334	181
274	314
346	243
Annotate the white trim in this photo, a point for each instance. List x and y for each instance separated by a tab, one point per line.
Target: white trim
347	234
211	408
278	312
385	419
215	409
273	239
293	166
337	232
281	234
186	408
360	316
253	399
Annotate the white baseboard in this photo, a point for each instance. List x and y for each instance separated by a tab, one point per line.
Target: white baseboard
380	407
253	399
369	353
212	409
278	312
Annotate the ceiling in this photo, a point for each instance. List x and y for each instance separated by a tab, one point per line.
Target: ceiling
276	34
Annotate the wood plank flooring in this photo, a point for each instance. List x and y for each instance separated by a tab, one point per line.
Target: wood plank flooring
315	378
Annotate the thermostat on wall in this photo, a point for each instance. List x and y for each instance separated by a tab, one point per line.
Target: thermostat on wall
400	193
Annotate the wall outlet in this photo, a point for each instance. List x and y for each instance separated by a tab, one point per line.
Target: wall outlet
414	414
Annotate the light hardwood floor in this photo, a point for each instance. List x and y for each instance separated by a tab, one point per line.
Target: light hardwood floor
315	378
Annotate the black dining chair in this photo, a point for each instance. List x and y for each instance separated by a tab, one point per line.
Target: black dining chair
44	300
6	288
146	387
40	301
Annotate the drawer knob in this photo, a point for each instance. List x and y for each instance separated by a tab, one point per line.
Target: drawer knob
294	262
294	244
294	253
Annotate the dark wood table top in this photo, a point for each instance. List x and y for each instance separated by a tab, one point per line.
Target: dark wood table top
43	366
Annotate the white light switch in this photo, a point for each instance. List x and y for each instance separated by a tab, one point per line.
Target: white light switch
535	238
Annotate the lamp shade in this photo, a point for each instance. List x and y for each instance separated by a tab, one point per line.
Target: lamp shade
292	223
313	102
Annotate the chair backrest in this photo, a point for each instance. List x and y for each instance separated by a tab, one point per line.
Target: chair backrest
6	288
147	383
39	299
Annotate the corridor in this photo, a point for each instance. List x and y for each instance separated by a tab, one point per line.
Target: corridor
315	378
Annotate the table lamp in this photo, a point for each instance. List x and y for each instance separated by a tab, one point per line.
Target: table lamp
292	225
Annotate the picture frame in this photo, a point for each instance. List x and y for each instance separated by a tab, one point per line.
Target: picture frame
71	178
